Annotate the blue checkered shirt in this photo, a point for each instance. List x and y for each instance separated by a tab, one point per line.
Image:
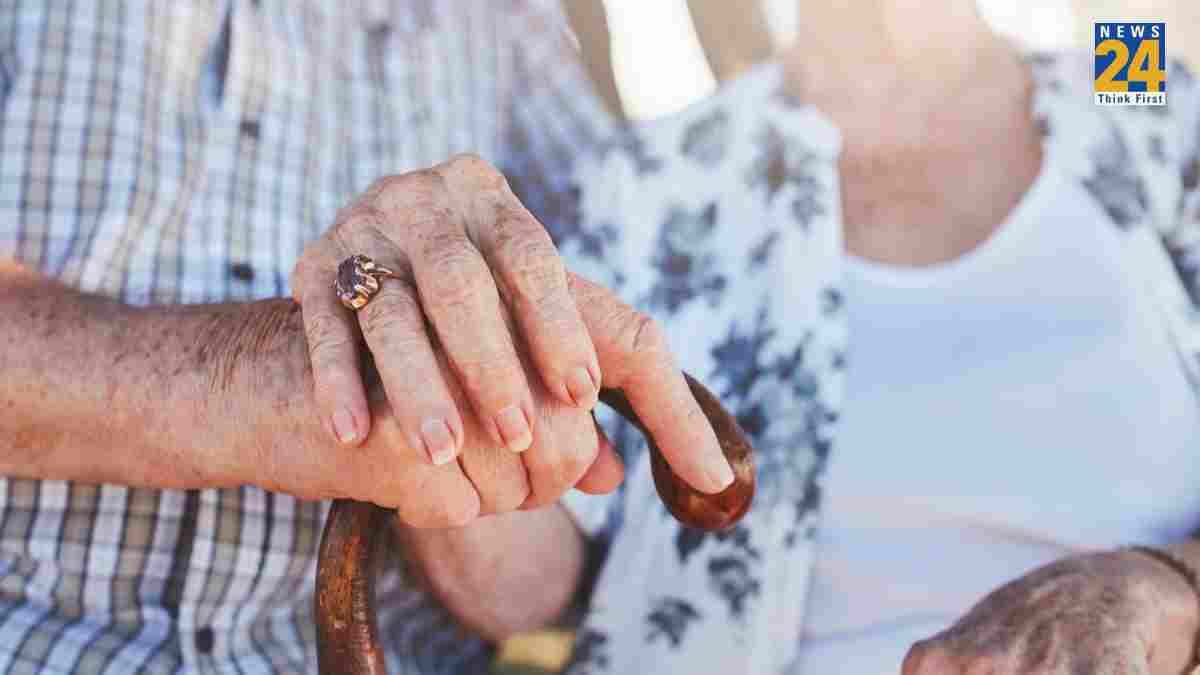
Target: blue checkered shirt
184	151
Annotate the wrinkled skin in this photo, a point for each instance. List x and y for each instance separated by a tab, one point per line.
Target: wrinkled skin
490	352
1119	613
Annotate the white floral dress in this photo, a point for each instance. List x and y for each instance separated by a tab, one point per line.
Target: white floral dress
724	223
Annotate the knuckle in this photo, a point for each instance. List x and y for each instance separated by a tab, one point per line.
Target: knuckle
919	658
559	473
429	224
543	493
469	162
574	465
391	315
326	338
355	218
419	192
394	186
556	477
643	338
444	251
456	275
476	172
580	452
491	379
393	183
535	270
509	499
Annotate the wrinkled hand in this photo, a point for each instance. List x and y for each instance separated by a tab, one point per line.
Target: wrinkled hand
1120	613
487	331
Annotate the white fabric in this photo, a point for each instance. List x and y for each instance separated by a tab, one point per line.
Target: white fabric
1053	314
733	245
1013	406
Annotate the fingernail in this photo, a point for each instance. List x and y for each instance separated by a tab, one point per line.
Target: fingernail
438	439
343	426
720	474
514	429
582	388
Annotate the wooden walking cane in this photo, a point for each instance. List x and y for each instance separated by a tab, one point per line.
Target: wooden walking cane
347	633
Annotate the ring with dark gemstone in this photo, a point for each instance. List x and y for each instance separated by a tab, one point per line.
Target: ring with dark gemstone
357	280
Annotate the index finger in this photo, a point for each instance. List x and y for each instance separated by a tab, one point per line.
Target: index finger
634	357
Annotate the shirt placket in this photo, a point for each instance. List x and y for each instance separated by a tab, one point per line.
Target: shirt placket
224	222
240	129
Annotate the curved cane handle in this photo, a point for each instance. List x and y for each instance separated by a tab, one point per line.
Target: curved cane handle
347	633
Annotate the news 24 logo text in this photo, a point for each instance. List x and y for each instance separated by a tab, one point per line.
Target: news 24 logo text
1131	63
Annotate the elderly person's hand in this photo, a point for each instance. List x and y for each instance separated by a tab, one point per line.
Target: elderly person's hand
485	342
1119	613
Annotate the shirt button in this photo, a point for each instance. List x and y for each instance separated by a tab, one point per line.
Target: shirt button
205	640
242	271
250	128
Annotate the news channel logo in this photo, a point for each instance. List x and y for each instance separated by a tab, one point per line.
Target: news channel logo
1131	63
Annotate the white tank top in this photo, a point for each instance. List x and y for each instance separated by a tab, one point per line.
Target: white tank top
1011	407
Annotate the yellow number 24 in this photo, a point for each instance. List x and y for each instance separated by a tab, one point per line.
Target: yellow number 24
1144	67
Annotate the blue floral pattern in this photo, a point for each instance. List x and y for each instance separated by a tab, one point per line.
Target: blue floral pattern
685	262
743	268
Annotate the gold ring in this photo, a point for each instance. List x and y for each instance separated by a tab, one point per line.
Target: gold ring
357	280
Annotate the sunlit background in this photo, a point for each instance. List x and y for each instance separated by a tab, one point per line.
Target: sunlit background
660	66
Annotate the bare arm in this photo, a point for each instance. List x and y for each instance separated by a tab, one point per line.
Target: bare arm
589	20
97	391
221	395
198	396
193	397
502	574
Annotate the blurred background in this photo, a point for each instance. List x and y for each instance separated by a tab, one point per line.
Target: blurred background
660	65
650	58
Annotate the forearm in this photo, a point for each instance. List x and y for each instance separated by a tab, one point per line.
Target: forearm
97	391
501	574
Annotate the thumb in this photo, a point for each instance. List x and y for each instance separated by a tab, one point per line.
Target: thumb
634	357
